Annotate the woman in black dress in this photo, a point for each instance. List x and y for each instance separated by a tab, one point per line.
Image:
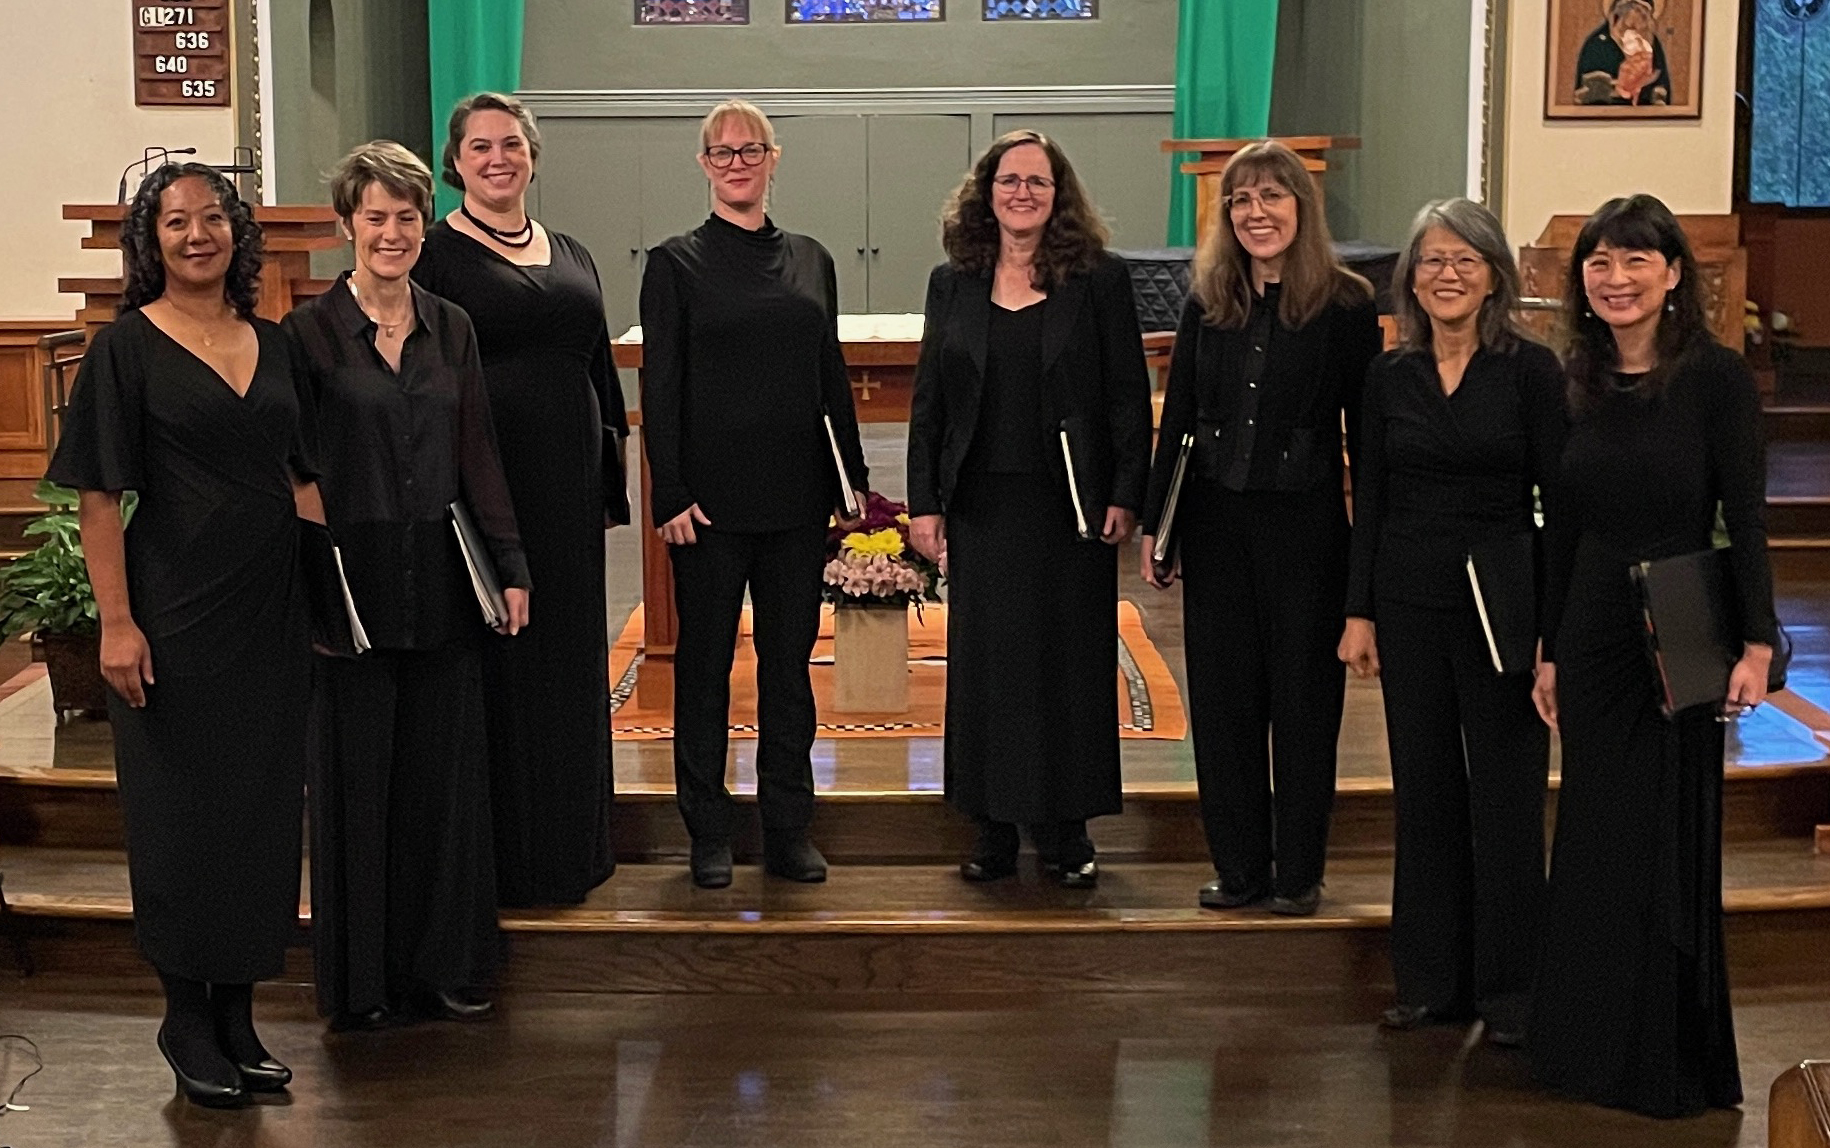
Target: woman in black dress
1031	332
741	346
533	297
403	889
1631	1005
188	399
1460	422
1270	354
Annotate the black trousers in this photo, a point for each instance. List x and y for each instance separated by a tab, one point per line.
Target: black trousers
782	570
1264	586
1470	762
403	877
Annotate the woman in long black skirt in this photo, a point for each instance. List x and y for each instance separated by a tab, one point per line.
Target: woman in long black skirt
1029	444
188	399
403	886
1631	1005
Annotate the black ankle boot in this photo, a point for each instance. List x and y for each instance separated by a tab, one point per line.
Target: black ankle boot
187	1039
232	1007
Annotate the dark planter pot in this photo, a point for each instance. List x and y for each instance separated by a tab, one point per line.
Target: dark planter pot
73	662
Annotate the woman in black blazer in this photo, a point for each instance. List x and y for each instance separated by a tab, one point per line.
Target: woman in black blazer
1029	445
1460	423
1271	351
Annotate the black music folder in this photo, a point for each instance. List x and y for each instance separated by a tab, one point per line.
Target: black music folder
1691	633
481	568
1503	574
335	625
1163	551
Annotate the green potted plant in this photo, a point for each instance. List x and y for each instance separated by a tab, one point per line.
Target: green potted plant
46	593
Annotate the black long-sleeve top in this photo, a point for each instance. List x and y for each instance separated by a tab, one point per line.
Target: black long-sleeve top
741	358
395	451
1641	478
1438	474
1284	395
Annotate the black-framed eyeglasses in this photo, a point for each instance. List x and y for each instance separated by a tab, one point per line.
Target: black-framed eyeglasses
1037	184
750	154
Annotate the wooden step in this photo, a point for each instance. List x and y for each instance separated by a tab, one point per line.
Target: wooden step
1797	422
1799	560
920	928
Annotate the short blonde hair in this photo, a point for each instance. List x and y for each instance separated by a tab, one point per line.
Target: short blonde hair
744	110
384	162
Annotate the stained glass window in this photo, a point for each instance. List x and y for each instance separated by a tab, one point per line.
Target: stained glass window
692	11
1041	9
863	11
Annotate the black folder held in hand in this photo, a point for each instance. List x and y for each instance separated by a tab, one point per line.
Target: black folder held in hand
1691	635
335	626
1503	573
1163	550
480	567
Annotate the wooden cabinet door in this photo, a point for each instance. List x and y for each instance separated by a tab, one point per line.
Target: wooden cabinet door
820	190
915	163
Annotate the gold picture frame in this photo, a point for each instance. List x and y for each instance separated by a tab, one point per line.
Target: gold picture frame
1624	59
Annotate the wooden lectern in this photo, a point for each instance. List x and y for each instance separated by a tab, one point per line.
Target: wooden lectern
1212	156
291	235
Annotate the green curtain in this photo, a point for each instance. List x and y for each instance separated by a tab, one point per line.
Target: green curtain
473	46
1224	53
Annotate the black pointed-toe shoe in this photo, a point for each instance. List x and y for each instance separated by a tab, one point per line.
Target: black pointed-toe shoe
1303	904
455	1004
711	864
201	1090
264	1075
1218	894
1082	876
988	868
796	859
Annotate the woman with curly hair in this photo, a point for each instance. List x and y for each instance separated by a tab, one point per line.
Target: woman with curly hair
1029	445
740	323
1271	351
189	400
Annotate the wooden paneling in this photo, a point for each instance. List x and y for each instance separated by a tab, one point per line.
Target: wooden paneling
22	428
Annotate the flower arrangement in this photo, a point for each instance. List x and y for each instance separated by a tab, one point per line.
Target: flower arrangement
874	564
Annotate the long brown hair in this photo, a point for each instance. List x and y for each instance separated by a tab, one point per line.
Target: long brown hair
1072	240
1312	277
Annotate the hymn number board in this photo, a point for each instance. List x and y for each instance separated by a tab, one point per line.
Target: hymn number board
181	54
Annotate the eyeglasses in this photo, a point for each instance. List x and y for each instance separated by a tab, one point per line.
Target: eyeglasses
1270	199
1431	266
1037	184
750	154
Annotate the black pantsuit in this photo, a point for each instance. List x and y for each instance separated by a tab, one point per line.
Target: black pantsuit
1264	575
782	570
1470	759
402	866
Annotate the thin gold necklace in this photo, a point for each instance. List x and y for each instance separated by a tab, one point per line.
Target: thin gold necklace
387	329
201	326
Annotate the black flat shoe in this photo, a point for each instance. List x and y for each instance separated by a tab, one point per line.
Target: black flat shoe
376	1018
268	1075
981	869
1084	876
711	864
1405	1017
206	1093
795	860
1217	895
1303	904
457	1005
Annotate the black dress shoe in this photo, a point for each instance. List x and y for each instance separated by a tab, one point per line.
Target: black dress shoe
988	868
201	1090
1219	895
456	1004
795	859
711	864
1404	1017
1303	904
1082	876
267	1075
1506	1037
366	1021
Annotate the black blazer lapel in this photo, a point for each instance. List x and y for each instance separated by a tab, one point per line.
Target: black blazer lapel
1058	319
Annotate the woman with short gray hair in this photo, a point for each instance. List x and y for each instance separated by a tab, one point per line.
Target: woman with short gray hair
1460	422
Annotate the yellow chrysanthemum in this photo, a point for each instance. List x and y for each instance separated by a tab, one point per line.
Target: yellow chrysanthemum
885	542
903	518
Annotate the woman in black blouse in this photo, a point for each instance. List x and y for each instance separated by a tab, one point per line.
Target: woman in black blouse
1271	351
1459	424
403	877
533	296
741	348
1031	332
188	399
1631	1005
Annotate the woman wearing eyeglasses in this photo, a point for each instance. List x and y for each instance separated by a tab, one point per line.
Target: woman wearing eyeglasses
1460	423
1271	351
532	295
1031	339
742	369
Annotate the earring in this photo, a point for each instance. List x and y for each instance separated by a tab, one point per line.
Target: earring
1670	307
